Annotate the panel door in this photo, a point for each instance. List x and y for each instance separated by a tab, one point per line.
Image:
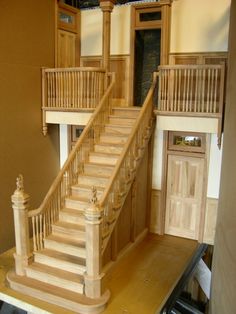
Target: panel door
66	49
185	177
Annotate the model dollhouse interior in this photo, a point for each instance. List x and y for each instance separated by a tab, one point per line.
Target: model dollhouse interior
121	105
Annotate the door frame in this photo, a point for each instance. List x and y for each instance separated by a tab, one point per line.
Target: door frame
164	6
205	156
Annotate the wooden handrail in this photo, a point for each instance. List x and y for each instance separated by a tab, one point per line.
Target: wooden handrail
79	69
73	151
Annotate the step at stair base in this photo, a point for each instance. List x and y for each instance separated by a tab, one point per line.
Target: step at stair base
113	138
126	111
85	191
122	120
58	278
108	148
60	244
78	203
102	158
73	216
93	180
117	129
98	169
67	299
68	230
61	261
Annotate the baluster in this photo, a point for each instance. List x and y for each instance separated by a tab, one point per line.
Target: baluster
208	90
196	91
160	91
188	84
203	89
37	231
184	92
174	108
212	91
179	90
215	94
54	89
73	90
41	231
34	234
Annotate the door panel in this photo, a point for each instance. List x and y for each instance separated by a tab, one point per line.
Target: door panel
66	49
184	195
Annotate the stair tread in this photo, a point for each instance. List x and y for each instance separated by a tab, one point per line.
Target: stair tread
81	199
73	212
94	175
56	272
110	144
127	108
92	163
73	241
75	297
88	187
69	225
119	125
110	134
62	256
104	154
122	117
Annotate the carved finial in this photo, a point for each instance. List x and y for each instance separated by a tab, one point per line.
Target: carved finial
94	198
20	183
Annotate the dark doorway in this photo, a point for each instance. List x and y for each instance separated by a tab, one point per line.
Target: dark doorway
147	59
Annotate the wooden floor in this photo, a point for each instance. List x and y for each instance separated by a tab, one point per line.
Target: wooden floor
139	284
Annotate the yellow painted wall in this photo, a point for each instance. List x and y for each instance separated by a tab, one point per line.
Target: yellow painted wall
197	26
200	25
91	31
26	44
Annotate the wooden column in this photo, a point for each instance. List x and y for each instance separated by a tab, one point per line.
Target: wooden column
20	201
106	7
93	276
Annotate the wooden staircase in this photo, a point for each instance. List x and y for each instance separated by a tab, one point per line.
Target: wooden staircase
57	271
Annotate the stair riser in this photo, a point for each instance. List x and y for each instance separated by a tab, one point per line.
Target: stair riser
79	192
108	149
125	113
103	160
100	170
74	204
117	129
120	121
93	181
53	280
68	233
113	139
65	248
66	217
63	265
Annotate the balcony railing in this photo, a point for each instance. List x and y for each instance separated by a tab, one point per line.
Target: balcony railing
71	89
191	89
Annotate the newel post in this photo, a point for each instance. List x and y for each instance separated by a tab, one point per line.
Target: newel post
93	276
20	201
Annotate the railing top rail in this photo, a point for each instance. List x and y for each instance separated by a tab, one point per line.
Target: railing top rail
73	152
74	69
191	66
125	151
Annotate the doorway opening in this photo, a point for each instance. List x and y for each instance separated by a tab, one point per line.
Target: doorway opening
150	39
147	58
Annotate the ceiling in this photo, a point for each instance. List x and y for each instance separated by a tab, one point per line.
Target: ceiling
86	4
